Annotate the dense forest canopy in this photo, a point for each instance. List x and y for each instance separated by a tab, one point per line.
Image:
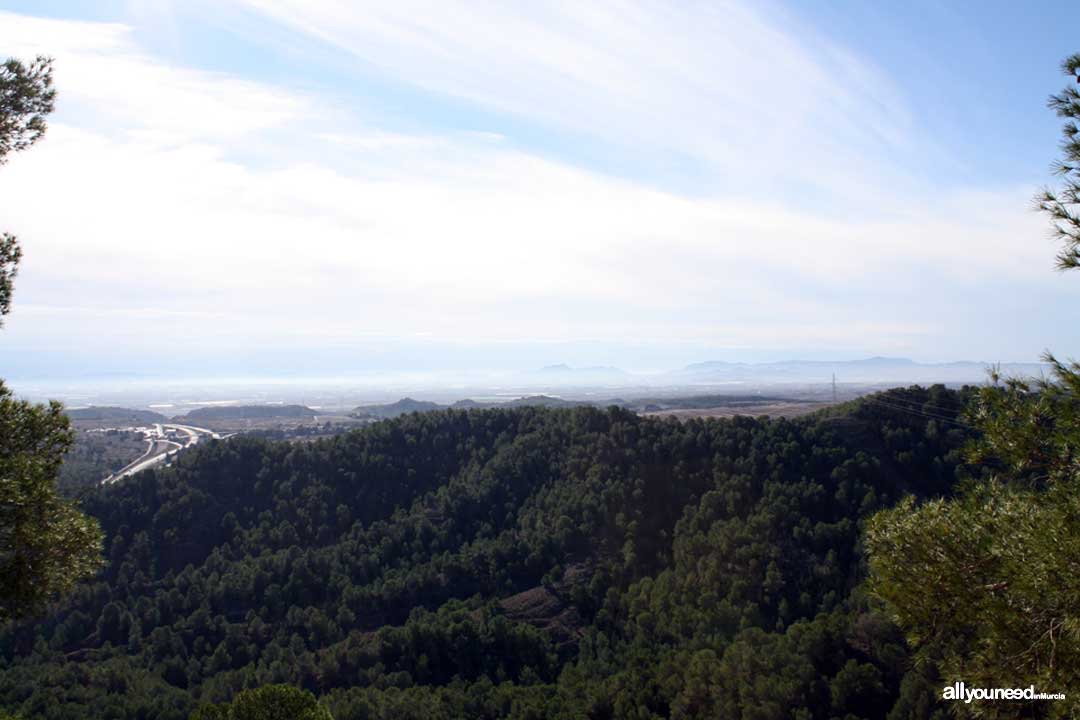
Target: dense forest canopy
524	562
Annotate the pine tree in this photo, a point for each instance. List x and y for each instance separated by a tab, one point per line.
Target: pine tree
46	544
26	97
986	585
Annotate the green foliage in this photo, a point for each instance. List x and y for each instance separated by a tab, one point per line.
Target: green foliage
10	254
526	563
26	97
1029	430
273	702
46	544
1060	203
985	584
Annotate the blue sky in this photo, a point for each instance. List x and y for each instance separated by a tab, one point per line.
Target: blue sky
329	187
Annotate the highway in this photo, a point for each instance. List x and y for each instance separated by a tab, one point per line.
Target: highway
160	446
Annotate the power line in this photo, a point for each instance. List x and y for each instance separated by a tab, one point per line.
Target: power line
928	416
925	407
920	413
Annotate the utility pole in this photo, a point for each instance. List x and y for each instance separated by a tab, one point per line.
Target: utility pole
834	387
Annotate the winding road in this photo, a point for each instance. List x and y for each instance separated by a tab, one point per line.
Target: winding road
160	446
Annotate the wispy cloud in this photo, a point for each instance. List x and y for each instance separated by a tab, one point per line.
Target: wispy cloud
718	83
111	84
185	208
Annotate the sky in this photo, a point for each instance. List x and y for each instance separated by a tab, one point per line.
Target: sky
329	187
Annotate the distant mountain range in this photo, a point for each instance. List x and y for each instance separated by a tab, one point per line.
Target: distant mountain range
603	385
872	370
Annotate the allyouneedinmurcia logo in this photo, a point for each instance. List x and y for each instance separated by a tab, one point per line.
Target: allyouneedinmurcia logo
960	691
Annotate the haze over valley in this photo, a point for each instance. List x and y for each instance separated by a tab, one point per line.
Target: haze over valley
598	384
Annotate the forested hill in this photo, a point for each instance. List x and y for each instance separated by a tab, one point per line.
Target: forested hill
116	415
242	412
524	562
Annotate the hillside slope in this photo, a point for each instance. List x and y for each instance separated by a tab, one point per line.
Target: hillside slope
524	562
243	412
115	415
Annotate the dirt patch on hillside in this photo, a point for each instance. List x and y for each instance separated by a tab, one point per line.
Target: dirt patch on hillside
543	609
768	409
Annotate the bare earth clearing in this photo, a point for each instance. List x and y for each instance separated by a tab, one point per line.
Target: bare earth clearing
768	409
